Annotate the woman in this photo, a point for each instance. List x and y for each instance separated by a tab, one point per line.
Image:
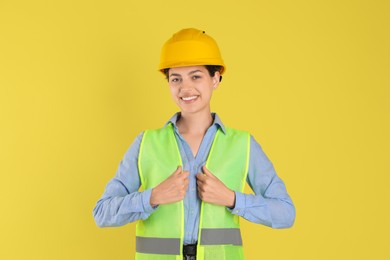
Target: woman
193	213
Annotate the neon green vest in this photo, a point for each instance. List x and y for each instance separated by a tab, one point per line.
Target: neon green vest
160	236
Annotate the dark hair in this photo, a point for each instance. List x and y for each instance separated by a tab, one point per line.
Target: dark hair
210	68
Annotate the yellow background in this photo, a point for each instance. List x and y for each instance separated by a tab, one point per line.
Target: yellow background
309	79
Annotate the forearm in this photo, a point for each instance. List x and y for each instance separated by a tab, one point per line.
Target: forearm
111	211
272	212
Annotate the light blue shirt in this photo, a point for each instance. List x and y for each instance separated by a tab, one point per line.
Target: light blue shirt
122	203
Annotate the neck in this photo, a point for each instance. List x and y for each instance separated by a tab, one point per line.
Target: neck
197	123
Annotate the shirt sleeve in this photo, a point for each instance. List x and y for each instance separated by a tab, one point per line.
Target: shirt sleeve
121	202
270	205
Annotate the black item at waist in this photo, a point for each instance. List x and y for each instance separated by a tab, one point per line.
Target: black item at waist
189	250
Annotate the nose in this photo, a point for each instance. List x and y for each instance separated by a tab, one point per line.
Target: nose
185	84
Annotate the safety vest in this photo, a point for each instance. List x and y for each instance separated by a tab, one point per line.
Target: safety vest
160	236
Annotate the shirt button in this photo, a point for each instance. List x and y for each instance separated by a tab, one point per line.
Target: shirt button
195	167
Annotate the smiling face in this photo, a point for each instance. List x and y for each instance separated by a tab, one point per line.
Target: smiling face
192	87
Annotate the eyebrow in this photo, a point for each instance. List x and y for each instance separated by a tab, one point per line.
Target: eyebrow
174	74
194	71
190	73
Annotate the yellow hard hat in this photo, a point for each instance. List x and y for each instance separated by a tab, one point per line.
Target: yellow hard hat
190	47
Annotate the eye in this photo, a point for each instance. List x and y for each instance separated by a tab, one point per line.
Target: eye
175	80
196	77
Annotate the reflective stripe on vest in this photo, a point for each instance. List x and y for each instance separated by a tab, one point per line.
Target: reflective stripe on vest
221	236
160	236
171	246
154	245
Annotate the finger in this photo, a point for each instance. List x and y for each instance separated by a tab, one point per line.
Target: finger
200	176
186	174
186	184
200	194
178	170
207	172
200	185
200	188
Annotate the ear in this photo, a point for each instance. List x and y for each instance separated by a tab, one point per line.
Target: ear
216	79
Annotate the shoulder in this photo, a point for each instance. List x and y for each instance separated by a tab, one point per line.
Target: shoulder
133	149
234	132
159	131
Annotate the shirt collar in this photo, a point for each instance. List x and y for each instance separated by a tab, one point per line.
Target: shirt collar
217	121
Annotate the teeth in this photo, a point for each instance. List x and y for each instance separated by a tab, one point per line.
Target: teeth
189	98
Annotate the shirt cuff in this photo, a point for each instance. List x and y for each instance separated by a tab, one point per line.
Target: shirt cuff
240	204
146	201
